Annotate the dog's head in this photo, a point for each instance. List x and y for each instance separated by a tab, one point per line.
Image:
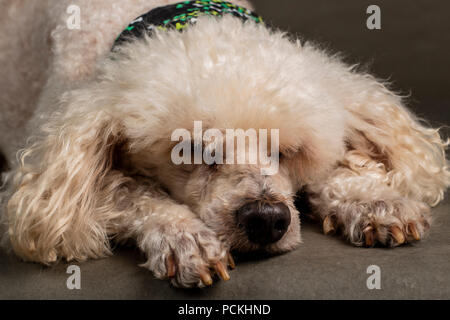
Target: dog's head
223	77
221	73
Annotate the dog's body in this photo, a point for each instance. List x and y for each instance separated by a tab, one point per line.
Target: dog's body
101	166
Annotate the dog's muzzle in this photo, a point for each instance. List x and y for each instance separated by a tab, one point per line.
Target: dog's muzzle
264	223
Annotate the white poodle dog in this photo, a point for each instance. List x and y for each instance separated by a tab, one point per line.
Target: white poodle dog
97	167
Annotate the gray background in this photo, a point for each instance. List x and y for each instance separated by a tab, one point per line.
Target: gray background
412	49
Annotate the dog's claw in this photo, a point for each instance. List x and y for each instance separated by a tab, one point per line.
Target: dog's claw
221	271
170	265
397	234
231	261
52	256
328	225
412	230
369	236
206	278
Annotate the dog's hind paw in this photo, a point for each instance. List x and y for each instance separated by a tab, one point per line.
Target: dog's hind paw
189	256
388	223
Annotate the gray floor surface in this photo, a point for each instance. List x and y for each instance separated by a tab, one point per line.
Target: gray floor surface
323	267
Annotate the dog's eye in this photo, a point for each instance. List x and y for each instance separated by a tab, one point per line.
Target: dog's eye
213	166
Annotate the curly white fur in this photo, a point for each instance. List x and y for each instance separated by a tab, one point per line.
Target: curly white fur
100	169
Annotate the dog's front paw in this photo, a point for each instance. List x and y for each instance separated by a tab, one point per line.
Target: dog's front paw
188	255
386	222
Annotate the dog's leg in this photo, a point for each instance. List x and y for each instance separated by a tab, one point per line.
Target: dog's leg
178	245
71	196
394	168
357	200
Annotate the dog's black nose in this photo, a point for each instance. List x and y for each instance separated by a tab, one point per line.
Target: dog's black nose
264	223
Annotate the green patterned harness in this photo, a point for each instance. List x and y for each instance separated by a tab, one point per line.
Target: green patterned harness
179	15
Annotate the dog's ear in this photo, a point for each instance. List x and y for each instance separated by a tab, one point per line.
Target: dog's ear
65	184
382	129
